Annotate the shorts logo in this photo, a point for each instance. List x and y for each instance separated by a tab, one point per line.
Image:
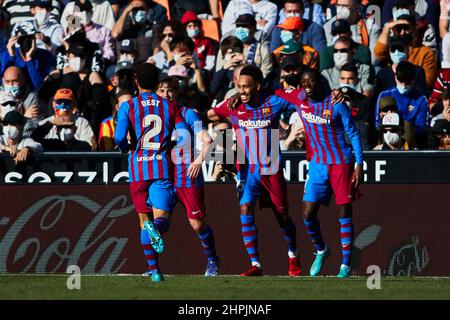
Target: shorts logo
327	114
196	212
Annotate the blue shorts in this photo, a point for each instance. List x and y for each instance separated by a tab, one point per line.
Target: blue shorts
161	195
325	179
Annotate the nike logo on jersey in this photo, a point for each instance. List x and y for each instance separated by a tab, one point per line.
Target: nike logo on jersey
242	112
196	212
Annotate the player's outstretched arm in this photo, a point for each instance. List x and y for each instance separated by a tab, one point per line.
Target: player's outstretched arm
351	131
120	135
212	115
195	167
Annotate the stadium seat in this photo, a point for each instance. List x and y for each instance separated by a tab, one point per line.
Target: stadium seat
165	4
211	29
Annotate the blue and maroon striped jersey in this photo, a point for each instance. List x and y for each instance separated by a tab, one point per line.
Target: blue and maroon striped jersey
325	125
195	125
150	120
254	128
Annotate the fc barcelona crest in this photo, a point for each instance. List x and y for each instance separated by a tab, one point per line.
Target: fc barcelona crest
327	114
266	111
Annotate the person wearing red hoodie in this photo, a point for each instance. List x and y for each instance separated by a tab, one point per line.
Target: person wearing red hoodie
204	48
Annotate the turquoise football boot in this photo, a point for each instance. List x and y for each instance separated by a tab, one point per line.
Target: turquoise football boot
155	238
318	262
344	272
156	276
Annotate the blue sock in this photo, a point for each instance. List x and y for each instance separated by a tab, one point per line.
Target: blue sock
162	224
250	236
149	252
208	243
346	239
313	230
290	234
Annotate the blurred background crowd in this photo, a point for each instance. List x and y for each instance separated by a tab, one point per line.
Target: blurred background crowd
66	66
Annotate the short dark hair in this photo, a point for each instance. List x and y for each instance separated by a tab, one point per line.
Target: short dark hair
252	71
345	39
147	75
182	39
231	42
300	2
171	81
405	72
350	67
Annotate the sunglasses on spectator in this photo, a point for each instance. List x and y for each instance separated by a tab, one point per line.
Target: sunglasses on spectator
397	48
392	129
388	108
402	27
9	104
343	50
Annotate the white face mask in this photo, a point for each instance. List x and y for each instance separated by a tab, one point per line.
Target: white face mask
292	14
11	132
349	85
391	138
126	57
66	134
343	12
176	57
76	64
340	58
42	17
85	18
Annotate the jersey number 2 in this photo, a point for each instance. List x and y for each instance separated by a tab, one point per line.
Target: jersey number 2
154	121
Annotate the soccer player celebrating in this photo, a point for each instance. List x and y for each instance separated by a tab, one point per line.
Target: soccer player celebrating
150	121
331	166
253	121
190	192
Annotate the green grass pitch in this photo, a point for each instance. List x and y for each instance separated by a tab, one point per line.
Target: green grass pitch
19	286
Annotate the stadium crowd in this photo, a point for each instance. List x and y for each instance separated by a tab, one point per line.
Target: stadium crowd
66	66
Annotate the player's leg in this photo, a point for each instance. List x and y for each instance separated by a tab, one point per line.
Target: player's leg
275	185
139	195
343	188
248	189
192	199
317	191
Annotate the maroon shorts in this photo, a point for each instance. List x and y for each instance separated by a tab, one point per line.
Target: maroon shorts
139	194
275	187
193	200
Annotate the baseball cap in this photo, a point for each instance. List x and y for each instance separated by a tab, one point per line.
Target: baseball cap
78	49
25	28
441	126
13	117
42	4
390	120
128	45
123	65
388	103
6	98
63	94
340	26
189	16
290	47
178	71
403	3
290	60
292	23
245	20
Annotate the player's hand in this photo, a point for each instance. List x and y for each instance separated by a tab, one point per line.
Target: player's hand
357	176
337	96
194	170
234	102
22	155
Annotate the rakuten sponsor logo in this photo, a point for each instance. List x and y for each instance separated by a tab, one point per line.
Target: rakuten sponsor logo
314	119
254	124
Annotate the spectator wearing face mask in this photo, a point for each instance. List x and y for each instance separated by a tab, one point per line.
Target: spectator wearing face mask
203	46
51	33
310	10
106	140
439	135
140	20
385	78
412	106
65	130
23	53
255	51
392	134
27	101
286	76
343	53
445	114
291	30
19	11
312	35
122	78
364	30
341	28
102	13
405	30
14	142
199	7
264	13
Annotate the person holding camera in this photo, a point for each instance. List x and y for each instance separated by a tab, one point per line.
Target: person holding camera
392	130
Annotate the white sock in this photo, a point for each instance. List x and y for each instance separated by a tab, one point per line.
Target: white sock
256	264
322	251
292	254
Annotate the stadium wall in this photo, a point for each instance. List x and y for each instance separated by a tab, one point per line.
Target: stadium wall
404	228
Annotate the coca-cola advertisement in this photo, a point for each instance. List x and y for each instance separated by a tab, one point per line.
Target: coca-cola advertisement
403	229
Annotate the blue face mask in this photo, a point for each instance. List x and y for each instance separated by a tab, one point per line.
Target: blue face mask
403	89
192	33
286	36
242	33
398	56
140	16
14	90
